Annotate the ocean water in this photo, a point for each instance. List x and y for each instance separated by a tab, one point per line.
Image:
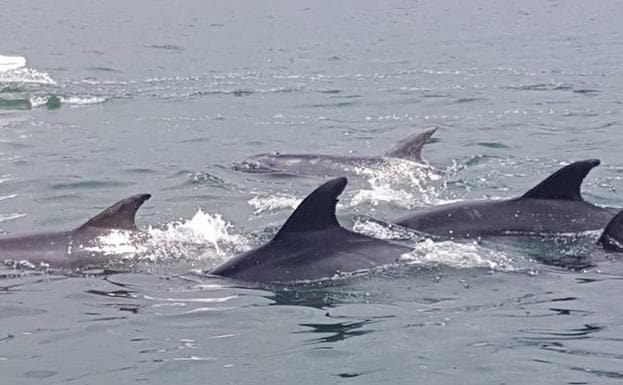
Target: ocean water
117	98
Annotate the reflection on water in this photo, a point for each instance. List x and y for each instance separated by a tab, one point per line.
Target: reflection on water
337	331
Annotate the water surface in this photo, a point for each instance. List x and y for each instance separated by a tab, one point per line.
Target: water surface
121	98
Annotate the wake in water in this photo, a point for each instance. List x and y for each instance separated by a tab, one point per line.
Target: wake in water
24	88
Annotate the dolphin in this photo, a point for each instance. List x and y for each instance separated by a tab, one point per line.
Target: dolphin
612	237
311	245
554	206
76	248
334	165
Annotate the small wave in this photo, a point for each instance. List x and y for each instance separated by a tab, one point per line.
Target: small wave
83	100
552	86
5	197
11	216
237	92
56	101
87	184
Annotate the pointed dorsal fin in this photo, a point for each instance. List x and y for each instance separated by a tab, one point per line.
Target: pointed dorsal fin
121	215
411	147
317	211
612	237
565	183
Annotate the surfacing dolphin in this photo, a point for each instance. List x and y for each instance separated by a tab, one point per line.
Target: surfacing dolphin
311	245
334	165
76	248
554	206
612	237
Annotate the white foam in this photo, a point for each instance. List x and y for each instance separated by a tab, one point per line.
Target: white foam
83	100
204	237
404	183
8	63
264	203
382	231
460	255
38	101
26	76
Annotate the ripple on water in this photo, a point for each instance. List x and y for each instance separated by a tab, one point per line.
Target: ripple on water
89	184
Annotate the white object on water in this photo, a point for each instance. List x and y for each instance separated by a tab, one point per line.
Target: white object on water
8	63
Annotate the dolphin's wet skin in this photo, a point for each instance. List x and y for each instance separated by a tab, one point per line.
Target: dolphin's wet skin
485	252
409	149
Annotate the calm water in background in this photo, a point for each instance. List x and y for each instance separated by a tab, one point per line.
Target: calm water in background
161	97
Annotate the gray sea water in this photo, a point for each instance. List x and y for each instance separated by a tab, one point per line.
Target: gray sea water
118	98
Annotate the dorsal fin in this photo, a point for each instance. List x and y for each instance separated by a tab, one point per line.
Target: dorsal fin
564	184
411	147
612	237
317	211
121	215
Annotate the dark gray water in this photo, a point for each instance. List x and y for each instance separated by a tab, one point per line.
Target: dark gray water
118	98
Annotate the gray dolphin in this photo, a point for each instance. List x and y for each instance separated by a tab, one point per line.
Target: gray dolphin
612	237
553	206
73	249
311	245
333	165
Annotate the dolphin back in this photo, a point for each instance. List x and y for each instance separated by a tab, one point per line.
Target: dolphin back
121	215
411	147
564	184
612	237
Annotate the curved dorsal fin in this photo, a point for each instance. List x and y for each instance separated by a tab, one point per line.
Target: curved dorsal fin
317	211
411	147
612	237
564	184
118	216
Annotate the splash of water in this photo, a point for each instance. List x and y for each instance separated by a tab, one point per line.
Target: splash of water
203	238
9	63
404	183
